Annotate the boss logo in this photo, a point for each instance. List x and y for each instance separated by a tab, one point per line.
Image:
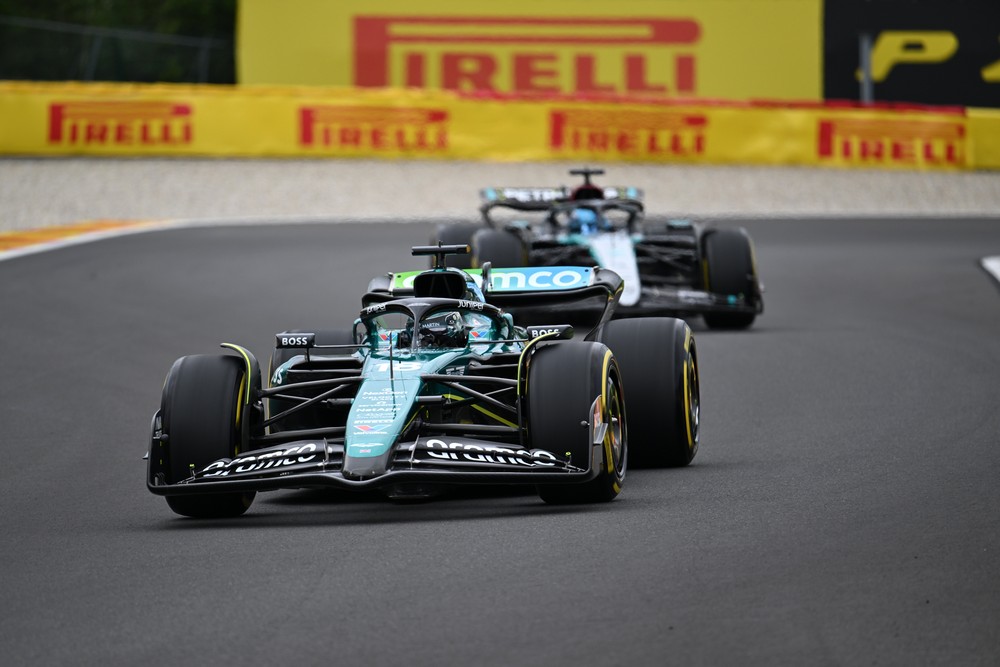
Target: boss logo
535	333
561	331
284	340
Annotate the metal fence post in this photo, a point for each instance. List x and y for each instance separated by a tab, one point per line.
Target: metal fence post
865	58
95	52
203	55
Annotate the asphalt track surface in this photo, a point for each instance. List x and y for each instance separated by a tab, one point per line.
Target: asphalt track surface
844	508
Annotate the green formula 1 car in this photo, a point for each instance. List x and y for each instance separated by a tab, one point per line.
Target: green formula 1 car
447	377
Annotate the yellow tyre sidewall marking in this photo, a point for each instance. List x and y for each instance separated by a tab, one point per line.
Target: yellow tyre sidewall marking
689	359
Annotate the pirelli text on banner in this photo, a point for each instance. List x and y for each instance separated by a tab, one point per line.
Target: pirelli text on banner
120	124
367	129
561	57
627	132
665	49
890	141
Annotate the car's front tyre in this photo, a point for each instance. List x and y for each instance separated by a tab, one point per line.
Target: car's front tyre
566	381
202	418
729	268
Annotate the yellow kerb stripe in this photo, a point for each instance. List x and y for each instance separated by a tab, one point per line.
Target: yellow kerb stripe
23	238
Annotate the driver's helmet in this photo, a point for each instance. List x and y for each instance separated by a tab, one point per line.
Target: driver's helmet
583	221
444	329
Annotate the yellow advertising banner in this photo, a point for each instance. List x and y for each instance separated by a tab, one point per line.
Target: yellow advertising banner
919	139
757	134
984	138
665	49
163	120
108	119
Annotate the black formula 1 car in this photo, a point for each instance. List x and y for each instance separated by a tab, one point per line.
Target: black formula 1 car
436	385
674	267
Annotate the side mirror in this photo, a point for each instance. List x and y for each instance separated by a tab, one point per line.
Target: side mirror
487	269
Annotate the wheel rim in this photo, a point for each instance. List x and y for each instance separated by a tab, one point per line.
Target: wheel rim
615	436
694	401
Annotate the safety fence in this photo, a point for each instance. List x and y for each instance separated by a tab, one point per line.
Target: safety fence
45	50
181	120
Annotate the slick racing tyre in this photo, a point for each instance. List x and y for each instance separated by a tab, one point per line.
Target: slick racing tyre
659	367
303	419
457	233
202	412
499	248
564	381
728	261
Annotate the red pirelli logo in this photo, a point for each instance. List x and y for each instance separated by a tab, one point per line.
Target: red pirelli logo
104	123
375	128
907	142
628	133
595	56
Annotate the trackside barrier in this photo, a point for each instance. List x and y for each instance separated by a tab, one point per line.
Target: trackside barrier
984	138
250	121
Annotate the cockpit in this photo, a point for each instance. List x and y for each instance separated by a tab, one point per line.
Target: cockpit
439	330
587	221
440	324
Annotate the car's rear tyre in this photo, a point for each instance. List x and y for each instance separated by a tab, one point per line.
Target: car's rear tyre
303	419
456	233
564	380
659	367
202	413
728	264
499	248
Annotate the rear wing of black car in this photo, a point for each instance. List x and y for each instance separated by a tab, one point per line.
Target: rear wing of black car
540	198
545	199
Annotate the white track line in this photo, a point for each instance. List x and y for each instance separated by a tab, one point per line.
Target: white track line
992	266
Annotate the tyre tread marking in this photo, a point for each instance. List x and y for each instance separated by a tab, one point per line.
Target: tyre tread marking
604	408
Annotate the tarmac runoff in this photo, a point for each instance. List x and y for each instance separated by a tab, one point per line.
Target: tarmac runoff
44	239
49	192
